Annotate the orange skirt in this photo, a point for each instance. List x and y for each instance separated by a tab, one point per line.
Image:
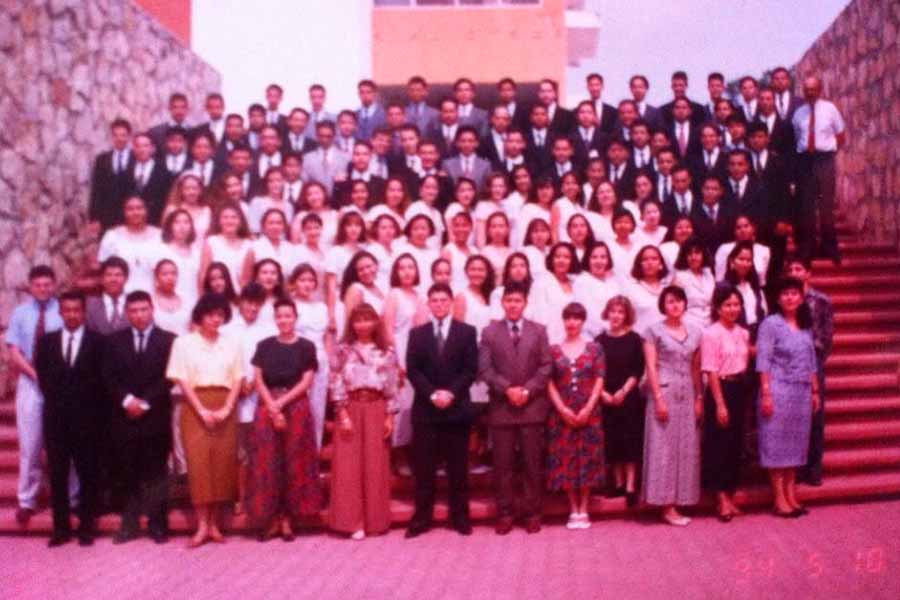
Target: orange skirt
211	454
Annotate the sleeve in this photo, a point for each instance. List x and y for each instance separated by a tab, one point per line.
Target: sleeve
639	365
236	366
837	122
15	333
538	382
390	376
178	368
765	347
599	361
709	351
811	361
414	373
258	355
486	371
336	377
826	329
312	362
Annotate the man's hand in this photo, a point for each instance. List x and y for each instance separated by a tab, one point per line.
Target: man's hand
135	408
442	399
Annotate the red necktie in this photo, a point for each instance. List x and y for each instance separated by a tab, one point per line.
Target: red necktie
41	327
811	142
682	139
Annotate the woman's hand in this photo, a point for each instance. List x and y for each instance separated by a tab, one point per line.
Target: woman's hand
279	422
767	406
401	377
208	417
345	425
584	416
698	407
388	426
568	417
722	415
662	410
619	397
816	401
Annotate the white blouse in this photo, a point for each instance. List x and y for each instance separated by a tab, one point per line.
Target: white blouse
232	256
139	250
699	290
593	294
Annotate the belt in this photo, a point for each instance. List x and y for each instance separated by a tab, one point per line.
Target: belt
366	395
733	378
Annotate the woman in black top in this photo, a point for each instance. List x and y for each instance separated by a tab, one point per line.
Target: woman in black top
283	482
623	407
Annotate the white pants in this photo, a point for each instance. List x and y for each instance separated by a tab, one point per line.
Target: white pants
318	398
30	426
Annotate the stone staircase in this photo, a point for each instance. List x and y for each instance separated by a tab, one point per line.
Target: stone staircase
862	458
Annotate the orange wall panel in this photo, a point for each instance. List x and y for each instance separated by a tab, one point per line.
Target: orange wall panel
175	15
441	44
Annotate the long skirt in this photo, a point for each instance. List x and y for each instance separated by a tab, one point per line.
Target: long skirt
723	446
283	467
211	454
360	470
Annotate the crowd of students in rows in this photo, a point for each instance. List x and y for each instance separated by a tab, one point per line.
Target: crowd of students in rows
623	234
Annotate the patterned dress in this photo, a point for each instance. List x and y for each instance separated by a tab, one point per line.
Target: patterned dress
575	456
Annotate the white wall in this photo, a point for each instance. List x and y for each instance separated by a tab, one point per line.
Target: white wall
292	42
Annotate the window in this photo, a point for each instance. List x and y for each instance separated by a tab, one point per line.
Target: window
455	3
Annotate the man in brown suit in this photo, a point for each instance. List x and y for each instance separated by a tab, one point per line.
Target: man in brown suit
514	360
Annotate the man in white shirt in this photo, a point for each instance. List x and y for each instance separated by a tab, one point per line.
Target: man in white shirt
370	115
269	150
175	158
639	85
317	112
469	114
820	132
749	90
292	167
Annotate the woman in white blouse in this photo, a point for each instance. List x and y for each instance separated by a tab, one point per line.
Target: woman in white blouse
396	200
418	231
360	283
693	273
271	244
171	311
310	251
648	276
458	250
650	230
496	248
350	239
538	207
682	230
595	286
187	194
623	248
136	242
383	246
571	201
556	289
601	209
314	200
496	190
744	231
513	203
228	242
464	197
742	274
429	193
580	235
360	199
273	198
180	245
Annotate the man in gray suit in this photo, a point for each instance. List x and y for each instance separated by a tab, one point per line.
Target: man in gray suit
317	111
326	163
370	115
469	114
467	163
106	312
417	112
514	361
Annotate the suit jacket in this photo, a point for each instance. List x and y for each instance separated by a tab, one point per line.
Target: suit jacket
97	319
698	113
699	170
781	137
73	396
426	118
480	169
654	117
316	118
625	184
204	128
144	377
306	144
108	189
693	142
563	121
314	170
671	212
540	157
454	369
755	202
595	147
608	119
487	150
502	365
341	195
366	126
154	191
435	133
714	233
776	178
221	155
478	118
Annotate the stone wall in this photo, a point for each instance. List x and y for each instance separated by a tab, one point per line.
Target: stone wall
67	68
858	59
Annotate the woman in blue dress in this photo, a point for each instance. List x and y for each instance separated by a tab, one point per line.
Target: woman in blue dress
789	394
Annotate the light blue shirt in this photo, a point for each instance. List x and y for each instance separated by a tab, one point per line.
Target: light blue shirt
23	322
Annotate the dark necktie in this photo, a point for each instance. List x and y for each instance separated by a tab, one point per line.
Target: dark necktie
140	348
41	327
811	141
515	335
115	311
68	356
440	337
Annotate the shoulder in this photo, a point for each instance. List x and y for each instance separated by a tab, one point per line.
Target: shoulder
464	327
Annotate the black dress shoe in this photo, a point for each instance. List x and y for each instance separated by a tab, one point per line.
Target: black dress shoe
504	525
159	537
617	492
416	529
123	536
23	516
533	525
85	538
463	528
631	499
802	511
59	538
725	518
791	514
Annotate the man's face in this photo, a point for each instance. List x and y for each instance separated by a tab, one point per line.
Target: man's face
273	98
627	114
234	129
429	155
467	143
409	140
638	89
681	111
42	288
381	143
546	94
666	162
500	119
297	122
748	89
464	92
346	125
507	93
269	141
562	150
766	102
72	313
712	191
513	306
292	169
439	303
366	95
586	116
723	111
142	148
737	166
395	117
239	161
120	137
539	117
325	136
202	150
679	87
595	88
617	154
758	141
716	88
514	145
361	157
317	99
140	314
449	113
178	110
416	92
215	108
256	120
640	136
812	89
658	143
681	181
709	138
175	144
781	81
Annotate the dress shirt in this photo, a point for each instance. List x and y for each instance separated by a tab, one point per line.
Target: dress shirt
142	172
829	124
449	132
361	175
711	210
710	157
616	173
292	190
760	160
598	108
23	325
175	162
73	338
749	109
465	110
413	162
783	103
664	186
442	326
498	139
641	107
204	171
642	156
563	168
113	305
587	134
684	202
540	136
217	129
136	338
738	187
769	121
296	140
345	143
120	160
511	107
514	161
551	111
267	161
467	163
272	117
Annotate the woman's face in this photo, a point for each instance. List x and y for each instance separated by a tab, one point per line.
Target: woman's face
166	278
312	233
234	189
418	232
267	276
476	272
275	185
190	191
616	317
385	232
606	197
545	195
730	309
643	188
562	261
596	172
790	300
366	270
522	181
135	213
359	195
315	198
229	221
651	263
465	194
353	230
393	194
695	260
181	228
273	227
573	326
578	231
305	286
462	229
651	216
673	306
744	230
364	327
497	230
217	281
742	263
684	229
623	227
441	272
518	269
211	322
498	189
570	187
540	235
599	261
406	272
429	190
285	320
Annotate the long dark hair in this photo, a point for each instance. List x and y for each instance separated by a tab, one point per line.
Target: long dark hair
350	276
278	290
489	281
804	314
226	275
507	267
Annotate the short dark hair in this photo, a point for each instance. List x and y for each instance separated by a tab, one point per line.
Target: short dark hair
715	75
670	290
256	107
722	292
757	127
73	296
38	271
284	302
276	87
797	259
640	77
177	96
138	296
326	124
253	292
594	76
120	123
804	314
679	75
440	288
574	310
208	303
114	262
515	287
366	83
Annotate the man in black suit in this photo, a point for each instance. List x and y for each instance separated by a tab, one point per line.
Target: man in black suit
539	138
641	153
514	154
109	178
134	371
441	365
234	135
747	193
560	120
407	160
67	362
619	170
469	114
786	103
359	169
294	138
684	132
178	111
679	90
736	127
605	113
662	178
148	178
202	162
240	161
383	156
507	91
274	95
748	100
491	146
712	159
713	217
269	154
256	120
715	84
563	160
682	201
588	139
345	132
443	131
626	116
175	158
780	131
215	110
106	313
773	171
370	114
639	85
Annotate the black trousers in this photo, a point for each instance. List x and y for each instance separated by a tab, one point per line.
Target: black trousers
817	182
530	440
813	469
66	444
143	467
723	446
432	442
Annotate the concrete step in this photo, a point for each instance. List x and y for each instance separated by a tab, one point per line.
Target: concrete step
847	281
882	341
854	248
863	431
867	317
8	436
856	383
864	299
855	406
849	360
886	263
860	459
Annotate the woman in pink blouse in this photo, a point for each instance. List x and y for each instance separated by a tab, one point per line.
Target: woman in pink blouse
725	350
363	381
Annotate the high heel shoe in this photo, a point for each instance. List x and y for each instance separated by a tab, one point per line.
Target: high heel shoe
791	514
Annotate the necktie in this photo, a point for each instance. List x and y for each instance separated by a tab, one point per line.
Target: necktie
682	204
780	99
140	348
295	141
708	160
711	211
467	166
811	142
440	337
540	139
682	139
171	164
325	160
40	327
757	162
119	162
68	356
115	311
140	175
515	335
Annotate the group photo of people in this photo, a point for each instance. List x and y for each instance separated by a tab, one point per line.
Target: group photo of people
294	308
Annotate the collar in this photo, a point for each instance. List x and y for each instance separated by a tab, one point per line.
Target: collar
135	332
